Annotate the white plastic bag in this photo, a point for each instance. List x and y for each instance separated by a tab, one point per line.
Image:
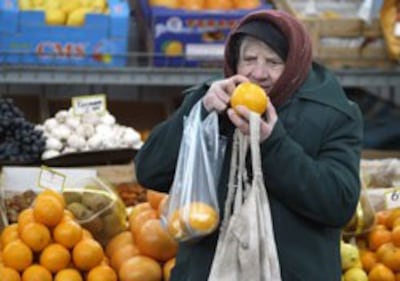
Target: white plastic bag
192	207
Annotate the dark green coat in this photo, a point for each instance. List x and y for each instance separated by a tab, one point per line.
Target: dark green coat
311	170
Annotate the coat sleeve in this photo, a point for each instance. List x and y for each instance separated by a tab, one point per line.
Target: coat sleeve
324	188
156	160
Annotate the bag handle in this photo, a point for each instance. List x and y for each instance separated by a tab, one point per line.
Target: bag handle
255	121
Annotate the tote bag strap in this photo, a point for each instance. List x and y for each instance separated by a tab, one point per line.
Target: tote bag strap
255	144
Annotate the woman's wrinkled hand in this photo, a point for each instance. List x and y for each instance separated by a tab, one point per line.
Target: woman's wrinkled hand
219	94
240	117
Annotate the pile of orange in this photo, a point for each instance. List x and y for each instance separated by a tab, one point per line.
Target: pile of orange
380	247
47	244
146	252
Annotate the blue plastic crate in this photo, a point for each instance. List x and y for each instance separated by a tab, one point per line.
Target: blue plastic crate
189	38
101	41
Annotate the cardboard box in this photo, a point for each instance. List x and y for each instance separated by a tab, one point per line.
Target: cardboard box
178	37
25	38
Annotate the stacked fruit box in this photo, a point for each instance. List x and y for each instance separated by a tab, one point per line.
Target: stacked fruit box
64	32
340	37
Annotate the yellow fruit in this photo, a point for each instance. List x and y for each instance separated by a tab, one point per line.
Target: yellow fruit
70	5
48	210
98	6
102	273
200	217
68	233
55	257
17	255
25	5
55	17
68	274
36	273
77	17
36	235
251	96
173	48
355	274
87	254
9	234
349	255
9	274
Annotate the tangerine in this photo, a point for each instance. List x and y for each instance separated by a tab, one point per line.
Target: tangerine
201	217
154	198
123	254
48	210
17	255
102	273
140	268
68	233
55	194
154	241
87	254
36	273
137	221
118	241
24	218
381	272
55	257
368	260
251	96
378	237
9	274
36	235
68	274
10	233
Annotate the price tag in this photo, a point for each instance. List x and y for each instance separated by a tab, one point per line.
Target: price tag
89	104
48	178
397	29
392	198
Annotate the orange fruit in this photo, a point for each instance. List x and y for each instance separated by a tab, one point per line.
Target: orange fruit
382	216
68	274
138	220
167	267
87	254
154	198
140	268
193	5
201	217
9	274
25	217
123	254
378	237
397	276
171	4
55	257
36	235
251	96
67	233
86	234
382	250
57	195
68	215
381	273
118	241
48	210
10	233
17	255
391	258
368	260
101	273
395	237
175	227
137	209
36	273
246	4
394	214
154	241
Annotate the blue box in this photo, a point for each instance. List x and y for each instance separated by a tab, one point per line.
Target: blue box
179	37
101	41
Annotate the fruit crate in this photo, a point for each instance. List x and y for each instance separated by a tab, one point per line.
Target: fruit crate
340	38
25	38
178	37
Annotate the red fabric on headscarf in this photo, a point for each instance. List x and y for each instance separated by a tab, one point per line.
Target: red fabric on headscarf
299	59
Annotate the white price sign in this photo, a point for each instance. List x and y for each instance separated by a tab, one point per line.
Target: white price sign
89	104
51	179
392	198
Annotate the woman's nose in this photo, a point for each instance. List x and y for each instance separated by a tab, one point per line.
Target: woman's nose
260	71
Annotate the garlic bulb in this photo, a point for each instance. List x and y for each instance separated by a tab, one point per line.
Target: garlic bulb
76	142
50	154
53	144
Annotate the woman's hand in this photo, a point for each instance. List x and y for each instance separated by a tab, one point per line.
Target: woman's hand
240	117
219	94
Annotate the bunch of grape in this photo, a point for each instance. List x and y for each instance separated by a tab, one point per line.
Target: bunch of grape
19	140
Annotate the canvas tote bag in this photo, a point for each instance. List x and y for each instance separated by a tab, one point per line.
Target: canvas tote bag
246	247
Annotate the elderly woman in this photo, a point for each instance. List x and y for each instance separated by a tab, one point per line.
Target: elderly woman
311	139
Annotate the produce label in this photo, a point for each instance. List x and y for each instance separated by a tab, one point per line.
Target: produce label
89	104
48	178
392	198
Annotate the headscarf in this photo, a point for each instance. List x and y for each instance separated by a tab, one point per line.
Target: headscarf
298	58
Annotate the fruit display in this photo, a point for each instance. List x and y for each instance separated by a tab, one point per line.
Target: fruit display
67	133
20	141
65	12
17	203
196	5
46	243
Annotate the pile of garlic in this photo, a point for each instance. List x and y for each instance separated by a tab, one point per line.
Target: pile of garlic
67	133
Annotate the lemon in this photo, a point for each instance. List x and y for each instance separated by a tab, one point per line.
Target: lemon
52	5
355	274
98	6
174	48
55	17
70	5
77	17
25	5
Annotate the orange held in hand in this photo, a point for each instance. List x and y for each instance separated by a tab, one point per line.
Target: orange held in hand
250	95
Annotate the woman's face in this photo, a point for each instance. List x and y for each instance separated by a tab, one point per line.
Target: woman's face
259	63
